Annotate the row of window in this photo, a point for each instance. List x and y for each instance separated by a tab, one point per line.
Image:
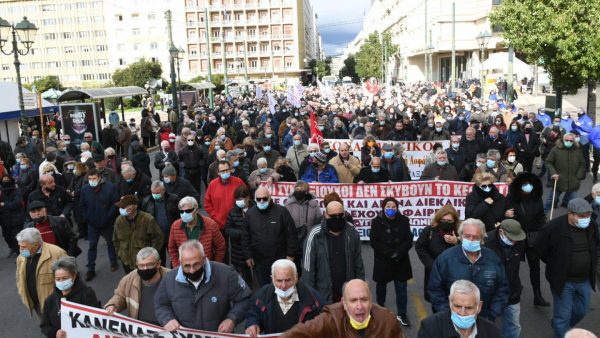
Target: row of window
73	20
69	6
135	16
71	35
72	49
58	64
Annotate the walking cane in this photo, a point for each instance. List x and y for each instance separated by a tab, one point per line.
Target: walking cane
553	197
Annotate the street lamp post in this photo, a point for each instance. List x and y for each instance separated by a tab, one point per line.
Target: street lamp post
174	53
178	58
25	31
482	40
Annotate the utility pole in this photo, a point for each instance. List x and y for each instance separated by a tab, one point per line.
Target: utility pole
430	48
453	71
426	68
385	57
209	51
509	81
224	58
172	62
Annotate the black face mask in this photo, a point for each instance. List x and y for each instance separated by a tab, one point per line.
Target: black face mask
194	276
336	224
8	185
147	274
300	195
527	130
446	226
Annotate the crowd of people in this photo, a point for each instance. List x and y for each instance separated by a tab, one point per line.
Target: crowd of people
204	246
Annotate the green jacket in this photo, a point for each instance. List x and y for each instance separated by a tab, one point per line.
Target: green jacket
129	238
569	164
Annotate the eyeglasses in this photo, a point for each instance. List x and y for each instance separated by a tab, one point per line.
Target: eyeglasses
189	211
190	140
337	215
262	199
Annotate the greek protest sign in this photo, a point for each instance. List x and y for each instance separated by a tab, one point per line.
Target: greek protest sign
417	200
80	321
414	151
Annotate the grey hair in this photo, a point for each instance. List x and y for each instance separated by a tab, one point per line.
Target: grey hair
231	154
190	245
147	252
284	264
473	221
157	184
596	188
66	263
313	146
567	134
30	235
301	183
109	151
579	333
260	161
127	168
482	156
188	200
262	188
494	152
465	287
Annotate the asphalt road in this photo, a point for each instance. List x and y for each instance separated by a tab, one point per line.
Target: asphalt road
15	321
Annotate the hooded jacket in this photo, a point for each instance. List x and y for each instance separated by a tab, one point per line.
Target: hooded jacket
528	208
569	164
477	207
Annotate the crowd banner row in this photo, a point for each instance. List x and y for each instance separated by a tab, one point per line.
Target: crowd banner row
417	200
414	152
82	321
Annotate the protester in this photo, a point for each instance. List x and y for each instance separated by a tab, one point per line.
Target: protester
462	318
177	185
136	290
320	171
440	170
164	156
347	166
262	174
391	240
570	263
133	182
54	229
485	202
192	157
53	196
174	304
12	214
218	199
354	316
35	260
373	173
68	286
278	306
233	232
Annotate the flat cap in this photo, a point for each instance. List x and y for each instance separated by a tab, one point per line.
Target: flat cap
169	170
512	229
36	205
579	206
126	201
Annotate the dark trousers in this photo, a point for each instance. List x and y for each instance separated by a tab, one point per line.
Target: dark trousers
533	260
244	272
10	236
596	164
585	149
262	272
127	268
195	179
94	234
401	295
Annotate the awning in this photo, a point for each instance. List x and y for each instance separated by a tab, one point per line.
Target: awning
100	93
202	85
9	105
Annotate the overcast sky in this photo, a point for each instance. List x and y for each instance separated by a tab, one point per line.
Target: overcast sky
339	22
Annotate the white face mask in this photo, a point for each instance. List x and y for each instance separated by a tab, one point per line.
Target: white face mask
285	294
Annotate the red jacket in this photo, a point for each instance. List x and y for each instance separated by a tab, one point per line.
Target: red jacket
210	237
219	200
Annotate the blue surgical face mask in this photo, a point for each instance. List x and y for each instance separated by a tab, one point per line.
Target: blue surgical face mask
441	163
487	189
326	150
23	166
267	148
462	322
123	212
156	196
568	144
65	284
490	163
527	187
505	240
263	170
471	246
391	212
186	217
583	223
129	180
236	164
225	176
240	203
262	205
388	155
93	184
25	253
375	170
297	143
597	200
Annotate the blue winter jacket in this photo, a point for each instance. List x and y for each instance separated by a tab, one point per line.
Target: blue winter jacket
488	273
328	175
593	133
98	204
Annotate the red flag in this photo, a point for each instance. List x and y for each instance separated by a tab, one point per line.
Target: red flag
316	136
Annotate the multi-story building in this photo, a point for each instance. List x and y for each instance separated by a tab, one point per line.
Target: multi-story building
423	31
85	41
260	39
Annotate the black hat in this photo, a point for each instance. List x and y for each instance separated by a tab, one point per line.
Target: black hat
98	157
36	205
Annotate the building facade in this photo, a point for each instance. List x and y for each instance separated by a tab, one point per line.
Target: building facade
253	39
423	31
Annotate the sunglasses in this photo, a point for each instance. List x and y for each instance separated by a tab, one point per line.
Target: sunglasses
189	211
337	215
262	199
483	186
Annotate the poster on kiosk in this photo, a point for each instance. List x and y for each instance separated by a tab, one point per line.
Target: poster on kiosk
78	119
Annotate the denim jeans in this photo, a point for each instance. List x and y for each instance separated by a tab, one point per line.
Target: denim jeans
570	306
401	295
94	234
548	205
511	324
